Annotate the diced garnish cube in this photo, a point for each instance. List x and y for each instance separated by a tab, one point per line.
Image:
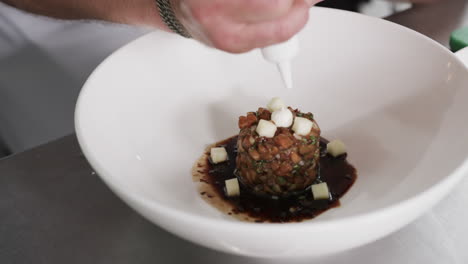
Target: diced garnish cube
232	187
302	126
266	128
218	154
275	104
320	191
336	148
282	117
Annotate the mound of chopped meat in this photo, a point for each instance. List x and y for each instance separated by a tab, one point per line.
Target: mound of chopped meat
281	165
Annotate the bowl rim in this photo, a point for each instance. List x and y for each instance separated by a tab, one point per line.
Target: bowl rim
451	178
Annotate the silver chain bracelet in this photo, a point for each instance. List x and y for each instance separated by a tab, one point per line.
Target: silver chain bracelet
168	16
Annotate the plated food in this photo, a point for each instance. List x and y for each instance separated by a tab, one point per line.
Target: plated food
142	148
277	169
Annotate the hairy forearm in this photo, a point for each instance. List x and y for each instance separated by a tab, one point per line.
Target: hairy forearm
136	12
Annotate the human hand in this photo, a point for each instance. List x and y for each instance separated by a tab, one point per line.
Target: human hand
241	25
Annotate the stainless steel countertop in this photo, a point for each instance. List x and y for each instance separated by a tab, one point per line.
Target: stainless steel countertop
55	209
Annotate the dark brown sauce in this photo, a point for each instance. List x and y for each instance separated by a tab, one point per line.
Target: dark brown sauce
336	172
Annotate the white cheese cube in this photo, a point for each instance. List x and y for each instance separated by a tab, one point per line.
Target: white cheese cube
320	191
266	128
275	104
336	148
218	155
302	126
282	117
232	187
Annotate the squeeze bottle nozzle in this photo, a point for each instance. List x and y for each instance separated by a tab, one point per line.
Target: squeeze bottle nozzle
281	54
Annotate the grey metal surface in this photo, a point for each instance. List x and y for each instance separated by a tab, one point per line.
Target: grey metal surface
4	151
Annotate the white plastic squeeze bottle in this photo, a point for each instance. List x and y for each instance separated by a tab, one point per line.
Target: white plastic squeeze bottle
281	54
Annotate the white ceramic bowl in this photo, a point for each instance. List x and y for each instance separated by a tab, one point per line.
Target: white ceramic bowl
398	99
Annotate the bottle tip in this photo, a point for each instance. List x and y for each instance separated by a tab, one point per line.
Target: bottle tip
285	71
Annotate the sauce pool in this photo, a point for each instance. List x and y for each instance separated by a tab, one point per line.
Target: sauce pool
336	172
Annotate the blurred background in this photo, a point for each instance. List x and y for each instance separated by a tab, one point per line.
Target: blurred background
44	62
